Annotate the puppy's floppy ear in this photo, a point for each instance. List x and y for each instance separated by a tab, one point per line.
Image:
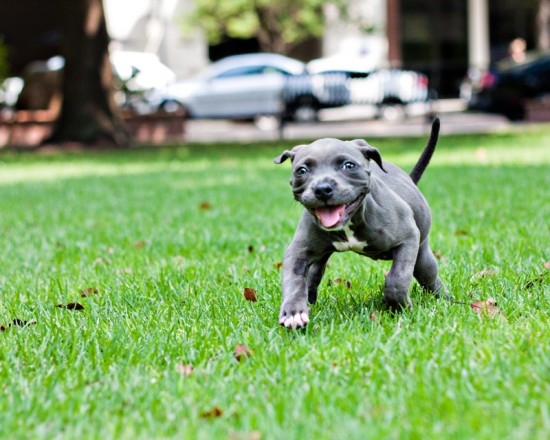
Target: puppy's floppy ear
370	152
288	154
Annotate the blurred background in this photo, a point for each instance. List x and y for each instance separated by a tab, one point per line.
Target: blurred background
380	60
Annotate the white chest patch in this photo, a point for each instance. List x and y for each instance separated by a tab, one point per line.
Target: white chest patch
352	244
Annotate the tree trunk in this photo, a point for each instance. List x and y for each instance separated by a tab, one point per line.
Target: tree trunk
270	36
88	113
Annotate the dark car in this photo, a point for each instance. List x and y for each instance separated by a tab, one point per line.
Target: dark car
506	90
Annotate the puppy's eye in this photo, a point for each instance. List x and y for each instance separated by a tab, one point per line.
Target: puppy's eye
348	165
301	171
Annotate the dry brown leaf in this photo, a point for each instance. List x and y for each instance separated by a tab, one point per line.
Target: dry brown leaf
250	294
488	308
140	243
17	322
185	369
539	279
21	323
71	306
88	292
461	232
212	413
278	265
205	205
241	352
439	255
338	281
486	273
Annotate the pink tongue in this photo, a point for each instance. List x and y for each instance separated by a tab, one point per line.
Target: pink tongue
330	215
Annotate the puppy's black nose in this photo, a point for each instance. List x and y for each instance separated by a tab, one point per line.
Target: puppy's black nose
323	191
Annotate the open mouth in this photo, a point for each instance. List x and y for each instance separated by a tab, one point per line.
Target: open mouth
333	216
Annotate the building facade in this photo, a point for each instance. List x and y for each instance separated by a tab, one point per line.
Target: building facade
440	38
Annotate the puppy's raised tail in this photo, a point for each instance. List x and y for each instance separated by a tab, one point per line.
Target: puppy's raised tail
426	155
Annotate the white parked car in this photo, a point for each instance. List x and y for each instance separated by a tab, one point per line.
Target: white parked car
247	87
236	87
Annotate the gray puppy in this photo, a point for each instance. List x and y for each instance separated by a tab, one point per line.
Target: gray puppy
378	213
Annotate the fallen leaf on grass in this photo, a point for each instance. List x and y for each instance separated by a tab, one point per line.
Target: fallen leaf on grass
539	279
486	273
17	323
338	281
250	294
88	292
278	265
71	306
461	233
126	270
241	352
185	369
439	255
140	243
212	413
488	308
205	205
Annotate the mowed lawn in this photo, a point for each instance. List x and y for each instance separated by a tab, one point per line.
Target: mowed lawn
122	279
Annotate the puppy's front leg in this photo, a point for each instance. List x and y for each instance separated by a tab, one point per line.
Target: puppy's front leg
294	310
314	276
399	278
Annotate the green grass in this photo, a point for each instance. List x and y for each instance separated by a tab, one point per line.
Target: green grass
171	237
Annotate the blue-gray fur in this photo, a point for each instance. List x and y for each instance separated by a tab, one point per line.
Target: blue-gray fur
381	214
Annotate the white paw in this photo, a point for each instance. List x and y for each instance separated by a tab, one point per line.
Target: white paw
298	320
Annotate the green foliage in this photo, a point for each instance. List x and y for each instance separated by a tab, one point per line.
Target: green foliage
170	237
277	25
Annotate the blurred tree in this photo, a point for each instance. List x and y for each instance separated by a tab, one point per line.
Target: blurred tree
543	24
279	25
4	66
88	113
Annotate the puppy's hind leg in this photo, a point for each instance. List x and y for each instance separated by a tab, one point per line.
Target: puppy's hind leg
314	276
426	271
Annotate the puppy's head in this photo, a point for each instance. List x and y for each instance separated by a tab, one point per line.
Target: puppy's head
331	177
